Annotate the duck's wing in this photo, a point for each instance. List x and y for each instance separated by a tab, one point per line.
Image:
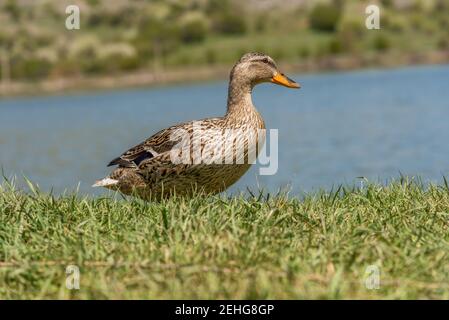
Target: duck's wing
161	142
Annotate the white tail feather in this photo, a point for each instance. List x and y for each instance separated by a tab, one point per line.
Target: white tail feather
105	182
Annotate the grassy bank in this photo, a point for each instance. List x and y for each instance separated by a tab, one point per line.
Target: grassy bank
218	247
149	78
140	43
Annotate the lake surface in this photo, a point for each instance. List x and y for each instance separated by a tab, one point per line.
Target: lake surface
376	124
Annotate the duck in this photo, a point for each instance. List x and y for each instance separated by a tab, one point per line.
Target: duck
201	156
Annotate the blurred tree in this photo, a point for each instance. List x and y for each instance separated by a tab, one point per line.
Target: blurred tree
226	19
381	42
30	68
94	19
156	38
441	5
260	23
325	17
12	8
217	6
229	23
335	45
5	68
89	62
394	23
350	32
193	29
6	48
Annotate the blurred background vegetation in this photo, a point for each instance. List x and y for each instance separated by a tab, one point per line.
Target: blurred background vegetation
126	36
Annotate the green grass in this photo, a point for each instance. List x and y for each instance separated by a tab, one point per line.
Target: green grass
218	247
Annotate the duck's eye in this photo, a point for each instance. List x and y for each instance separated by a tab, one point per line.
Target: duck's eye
265	60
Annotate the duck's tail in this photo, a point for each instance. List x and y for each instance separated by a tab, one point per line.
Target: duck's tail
106	182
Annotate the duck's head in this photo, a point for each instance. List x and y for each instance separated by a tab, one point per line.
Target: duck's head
255	68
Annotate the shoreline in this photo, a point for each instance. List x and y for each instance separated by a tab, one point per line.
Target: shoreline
149	78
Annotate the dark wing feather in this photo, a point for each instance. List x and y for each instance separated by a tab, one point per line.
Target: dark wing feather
150	148
132	159
119	161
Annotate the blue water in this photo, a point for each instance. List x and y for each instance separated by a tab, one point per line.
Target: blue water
376	124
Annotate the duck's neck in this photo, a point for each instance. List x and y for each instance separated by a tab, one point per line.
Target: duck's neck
239	98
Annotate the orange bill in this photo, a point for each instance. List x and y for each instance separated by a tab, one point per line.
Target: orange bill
280	78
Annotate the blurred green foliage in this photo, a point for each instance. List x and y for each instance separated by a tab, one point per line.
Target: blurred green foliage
137	34
325	17
381	43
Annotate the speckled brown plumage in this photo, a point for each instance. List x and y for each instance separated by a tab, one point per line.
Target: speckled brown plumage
148	170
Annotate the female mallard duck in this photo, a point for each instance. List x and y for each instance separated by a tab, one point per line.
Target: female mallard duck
201	155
